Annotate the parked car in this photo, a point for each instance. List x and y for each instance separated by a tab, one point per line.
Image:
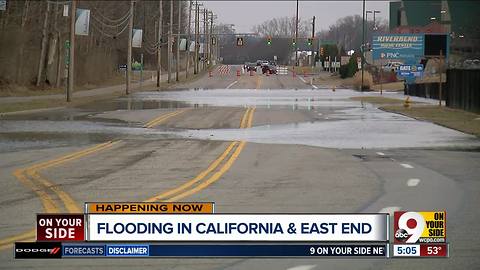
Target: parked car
392	66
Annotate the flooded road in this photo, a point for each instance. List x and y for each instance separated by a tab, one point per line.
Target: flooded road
333	121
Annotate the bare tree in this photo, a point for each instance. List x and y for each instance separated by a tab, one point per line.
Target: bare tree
283	27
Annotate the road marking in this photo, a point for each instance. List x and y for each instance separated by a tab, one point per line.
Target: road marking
198	178
302	79
390	210
413	182
42	183
158	120
380	154
232	84
303	267
186	189
407	166
47	201
214	178
314	86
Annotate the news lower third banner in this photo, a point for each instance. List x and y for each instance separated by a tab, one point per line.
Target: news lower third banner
238	227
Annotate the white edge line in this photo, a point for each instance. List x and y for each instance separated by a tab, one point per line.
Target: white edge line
405	165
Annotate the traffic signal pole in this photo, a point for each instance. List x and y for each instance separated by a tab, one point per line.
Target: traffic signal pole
129	50
313	42
188	38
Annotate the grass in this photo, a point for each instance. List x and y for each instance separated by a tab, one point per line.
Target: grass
379	100
456	119
56	102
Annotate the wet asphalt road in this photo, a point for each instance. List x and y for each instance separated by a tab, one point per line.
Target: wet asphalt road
306	150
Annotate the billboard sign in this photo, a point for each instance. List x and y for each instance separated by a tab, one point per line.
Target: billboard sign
82	22
407	47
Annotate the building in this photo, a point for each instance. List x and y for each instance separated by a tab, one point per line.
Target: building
460	19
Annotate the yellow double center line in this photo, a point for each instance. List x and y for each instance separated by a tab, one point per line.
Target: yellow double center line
200	182
31	178
42	187
157	121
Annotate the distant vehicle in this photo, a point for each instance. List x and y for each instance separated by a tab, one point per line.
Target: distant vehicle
269	68
251	67
392	66
259	62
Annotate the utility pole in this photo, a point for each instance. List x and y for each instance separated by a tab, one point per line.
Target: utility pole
313	41
210	52
204	37
129	51
197	26
43	52
296	37
363	42
159	46
177	62
170	44
71	61
188	38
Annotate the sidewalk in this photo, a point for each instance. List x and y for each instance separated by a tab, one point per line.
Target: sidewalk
93	92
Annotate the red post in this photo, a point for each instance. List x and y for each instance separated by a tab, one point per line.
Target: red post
209	73
238	72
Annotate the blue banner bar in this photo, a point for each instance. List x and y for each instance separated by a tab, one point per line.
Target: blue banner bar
266	250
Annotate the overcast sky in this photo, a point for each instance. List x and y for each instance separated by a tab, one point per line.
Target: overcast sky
245	14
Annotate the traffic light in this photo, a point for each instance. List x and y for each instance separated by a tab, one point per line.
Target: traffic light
310	42
239	41
322	52
269	41
214	41
294	42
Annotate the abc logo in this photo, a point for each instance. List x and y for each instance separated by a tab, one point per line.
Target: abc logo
410	227
401	235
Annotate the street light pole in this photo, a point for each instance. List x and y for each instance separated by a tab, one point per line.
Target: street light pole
362	49
188	38
296	36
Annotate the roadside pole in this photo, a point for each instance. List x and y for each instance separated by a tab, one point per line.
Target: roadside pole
362	48
72	50
296	37
440	80
129	51
195	62
179	25
159	46
313	42
188	38
170	44
204	37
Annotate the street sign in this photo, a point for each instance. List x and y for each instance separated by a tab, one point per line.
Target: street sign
415	70
239	41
